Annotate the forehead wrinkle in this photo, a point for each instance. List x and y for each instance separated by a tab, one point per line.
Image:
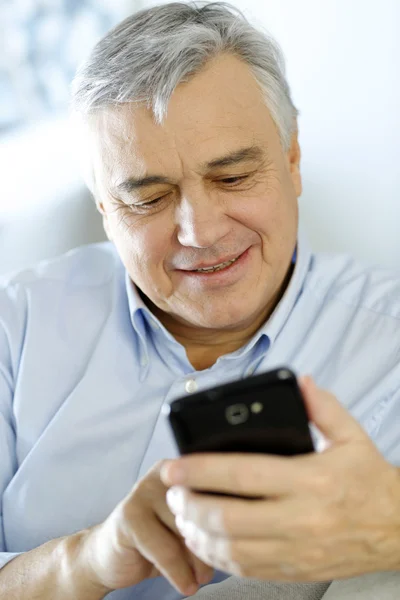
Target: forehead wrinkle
146	178
119	131
147	166
120	153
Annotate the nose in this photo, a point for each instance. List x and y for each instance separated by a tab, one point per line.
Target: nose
201	221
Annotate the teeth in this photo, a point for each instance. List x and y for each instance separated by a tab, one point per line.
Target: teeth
216	268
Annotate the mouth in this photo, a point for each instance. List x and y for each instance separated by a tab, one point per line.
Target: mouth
225	273
214	268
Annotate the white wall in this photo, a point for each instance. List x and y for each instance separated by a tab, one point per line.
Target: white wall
343	65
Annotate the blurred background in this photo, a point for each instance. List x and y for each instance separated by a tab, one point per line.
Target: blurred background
343	66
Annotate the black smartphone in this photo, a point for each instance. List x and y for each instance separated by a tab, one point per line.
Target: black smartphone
264	413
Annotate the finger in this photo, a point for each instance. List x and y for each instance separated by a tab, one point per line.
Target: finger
328	414
167	553
203	572
213	550
236	474
272	560
247	558
262	559
234	517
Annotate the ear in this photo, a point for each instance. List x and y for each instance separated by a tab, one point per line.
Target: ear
293	157
106	224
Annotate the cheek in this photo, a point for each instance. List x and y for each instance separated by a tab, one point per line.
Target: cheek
143	243
273	217
263	213
152	246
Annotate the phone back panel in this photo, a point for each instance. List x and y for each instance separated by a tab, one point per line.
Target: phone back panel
263	414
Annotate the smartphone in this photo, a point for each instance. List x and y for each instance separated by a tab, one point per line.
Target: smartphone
264	413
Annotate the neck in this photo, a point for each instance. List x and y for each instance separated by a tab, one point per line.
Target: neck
204	346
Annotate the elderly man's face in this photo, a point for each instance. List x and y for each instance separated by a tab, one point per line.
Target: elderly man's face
210	185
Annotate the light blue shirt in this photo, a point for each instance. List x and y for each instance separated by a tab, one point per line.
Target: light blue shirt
85	368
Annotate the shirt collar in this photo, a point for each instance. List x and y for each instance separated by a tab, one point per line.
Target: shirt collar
136	304
142	317
267	334
137	312
278	318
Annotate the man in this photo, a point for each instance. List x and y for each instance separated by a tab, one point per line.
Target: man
193	160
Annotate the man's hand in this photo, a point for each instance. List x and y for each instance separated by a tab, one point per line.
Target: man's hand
320	517
139	540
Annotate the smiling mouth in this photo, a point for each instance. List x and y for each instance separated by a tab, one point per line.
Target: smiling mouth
216	267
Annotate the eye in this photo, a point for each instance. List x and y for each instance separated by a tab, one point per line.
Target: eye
233	180
150	202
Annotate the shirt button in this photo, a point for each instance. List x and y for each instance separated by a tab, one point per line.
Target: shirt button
250	371
191	386
154	325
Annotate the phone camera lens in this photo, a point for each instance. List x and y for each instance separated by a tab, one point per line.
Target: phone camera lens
284	374
236	414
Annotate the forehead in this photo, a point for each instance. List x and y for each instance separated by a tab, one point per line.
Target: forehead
219	110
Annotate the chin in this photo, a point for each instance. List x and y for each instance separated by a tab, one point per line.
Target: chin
234	319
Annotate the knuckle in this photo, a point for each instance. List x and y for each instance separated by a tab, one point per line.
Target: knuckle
322	483
314	524
128	512
121	526
149	489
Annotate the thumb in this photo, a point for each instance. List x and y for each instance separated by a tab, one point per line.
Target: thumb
326	412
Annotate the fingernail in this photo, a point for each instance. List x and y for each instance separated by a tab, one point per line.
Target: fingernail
306	381
312	386
191	589
204	578
172	472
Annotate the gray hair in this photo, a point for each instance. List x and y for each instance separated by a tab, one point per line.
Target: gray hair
148	54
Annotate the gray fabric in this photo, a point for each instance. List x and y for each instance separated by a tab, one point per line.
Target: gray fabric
374	586
236	588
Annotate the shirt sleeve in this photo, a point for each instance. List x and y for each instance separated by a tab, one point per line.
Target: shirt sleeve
388	435
10	330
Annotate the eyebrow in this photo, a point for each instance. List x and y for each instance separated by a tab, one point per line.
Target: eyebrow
233	158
